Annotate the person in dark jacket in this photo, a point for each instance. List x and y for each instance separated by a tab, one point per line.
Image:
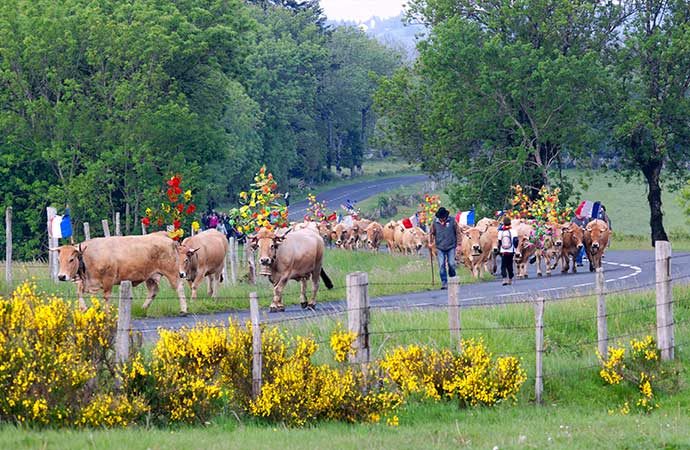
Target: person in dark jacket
444	232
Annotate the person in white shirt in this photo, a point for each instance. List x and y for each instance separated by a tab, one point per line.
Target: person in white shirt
507	243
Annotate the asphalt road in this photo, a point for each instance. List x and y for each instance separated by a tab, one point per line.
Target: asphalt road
624	271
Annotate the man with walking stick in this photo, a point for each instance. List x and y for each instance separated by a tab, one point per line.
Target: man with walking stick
444	232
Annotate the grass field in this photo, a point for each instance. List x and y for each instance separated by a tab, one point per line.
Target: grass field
579	411
388	274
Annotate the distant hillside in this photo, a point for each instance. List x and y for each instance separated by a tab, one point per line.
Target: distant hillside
391	31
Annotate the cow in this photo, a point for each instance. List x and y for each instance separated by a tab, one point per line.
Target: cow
203	255
341	236
596	239
525	249
489	243
460	236
374	235
100	263
398	236
306	224
389	235
325	232
358	234
413	240
549	249
485	223
573	237
472	253
292	255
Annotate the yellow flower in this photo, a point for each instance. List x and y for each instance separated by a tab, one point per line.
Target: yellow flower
195	226
188	195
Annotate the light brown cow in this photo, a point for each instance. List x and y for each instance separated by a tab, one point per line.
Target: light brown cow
398	236
374	235
489	243
293	255
358	234
572	244
485	223
460	236
596	239
472	253
389	235
525	249
550	249
100	263
325	232
341	236
203	255
413	240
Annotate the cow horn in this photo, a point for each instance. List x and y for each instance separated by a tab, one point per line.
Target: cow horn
54	249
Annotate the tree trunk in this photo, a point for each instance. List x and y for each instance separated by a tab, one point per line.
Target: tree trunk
652	172
331	145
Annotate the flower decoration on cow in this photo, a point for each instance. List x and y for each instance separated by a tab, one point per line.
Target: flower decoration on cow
546	208
428	208
175	212
317	211
260	206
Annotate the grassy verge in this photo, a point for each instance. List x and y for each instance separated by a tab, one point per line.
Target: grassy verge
388	274
579	411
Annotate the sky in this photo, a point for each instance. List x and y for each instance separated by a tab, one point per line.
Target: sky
359	10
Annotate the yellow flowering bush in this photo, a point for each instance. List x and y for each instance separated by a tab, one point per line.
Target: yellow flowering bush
341	343
55	362
472	377
641	367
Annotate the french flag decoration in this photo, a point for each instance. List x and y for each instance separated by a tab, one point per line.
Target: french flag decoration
465	217
61	226
587	209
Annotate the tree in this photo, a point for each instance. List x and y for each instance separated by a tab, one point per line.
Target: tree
651	101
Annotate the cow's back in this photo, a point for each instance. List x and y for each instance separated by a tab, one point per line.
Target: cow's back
132	258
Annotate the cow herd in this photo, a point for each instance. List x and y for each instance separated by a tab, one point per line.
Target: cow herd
296	253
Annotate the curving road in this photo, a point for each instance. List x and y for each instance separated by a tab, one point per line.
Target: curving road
625	271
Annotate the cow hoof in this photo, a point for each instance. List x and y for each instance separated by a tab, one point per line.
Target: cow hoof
274	309
539	275
183	314
591	268
304	305
311	306
526	276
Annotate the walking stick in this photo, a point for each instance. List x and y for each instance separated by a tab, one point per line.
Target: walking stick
431	260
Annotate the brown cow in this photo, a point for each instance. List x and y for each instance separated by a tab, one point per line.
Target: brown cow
460	236
596	238
398	236
101	263
358	234
572	243
473	257
489	243
202	256
485	223
293	255
549	252
325	232
341	236
389	235
525	250
413	240
374	235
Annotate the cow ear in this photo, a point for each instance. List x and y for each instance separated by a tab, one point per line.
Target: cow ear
278	240
253	241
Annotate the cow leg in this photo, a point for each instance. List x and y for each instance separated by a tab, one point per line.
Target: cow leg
152	288
303	293
314	287
177	284
565	262
277	304
539	262
80	294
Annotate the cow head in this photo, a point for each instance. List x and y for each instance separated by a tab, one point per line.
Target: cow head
340	235
186	261
267	242
374	233
70	258
325	231
556	236
473	237
597	233
572	235
524	243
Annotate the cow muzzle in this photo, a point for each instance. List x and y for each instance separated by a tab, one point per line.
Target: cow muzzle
183	275
595	248
558	243
265	261
63	277
579	246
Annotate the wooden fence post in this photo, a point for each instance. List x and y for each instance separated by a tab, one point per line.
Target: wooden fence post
118	231
539	340
106	228
257	356
664	301
8	245
251	263
124	321
232	249
358	314
52	243
87	231
602	328
454	313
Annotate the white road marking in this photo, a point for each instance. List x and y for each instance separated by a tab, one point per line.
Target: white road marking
511	293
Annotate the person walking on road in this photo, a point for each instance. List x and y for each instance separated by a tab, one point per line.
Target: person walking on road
507	242
444	232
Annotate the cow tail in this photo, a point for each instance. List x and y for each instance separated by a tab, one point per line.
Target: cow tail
327	281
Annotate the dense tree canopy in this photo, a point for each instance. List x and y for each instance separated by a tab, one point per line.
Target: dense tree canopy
102	101
504	91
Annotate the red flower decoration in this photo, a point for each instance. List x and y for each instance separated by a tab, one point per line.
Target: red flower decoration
179	207
176	223
191	208
146	221
174	182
